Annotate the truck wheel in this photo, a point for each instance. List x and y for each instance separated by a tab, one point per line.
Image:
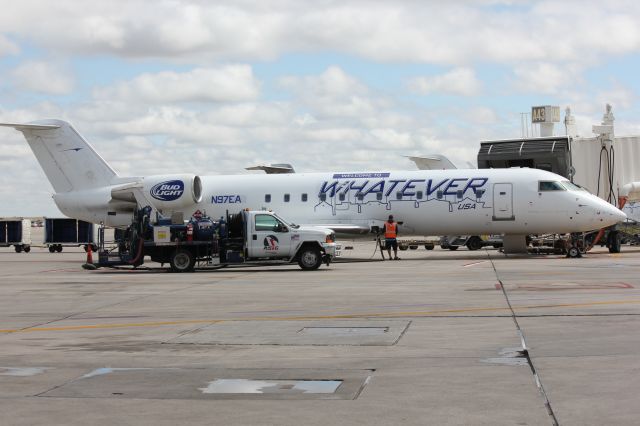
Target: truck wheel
615	242
18	249
309	258
182	261
94	248
474	243
27	249
86	248
413	247
428	247
573	252
52	249
452	248
59	248
403	248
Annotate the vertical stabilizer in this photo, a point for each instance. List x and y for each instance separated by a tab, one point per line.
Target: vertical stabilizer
69	161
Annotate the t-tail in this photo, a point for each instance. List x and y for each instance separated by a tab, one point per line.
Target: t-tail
68	160
87	188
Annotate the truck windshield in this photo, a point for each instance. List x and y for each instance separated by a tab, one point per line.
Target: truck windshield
292	225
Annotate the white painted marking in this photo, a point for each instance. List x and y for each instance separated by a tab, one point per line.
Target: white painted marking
21	371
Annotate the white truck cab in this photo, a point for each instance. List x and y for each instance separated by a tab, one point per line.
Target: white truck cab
268	236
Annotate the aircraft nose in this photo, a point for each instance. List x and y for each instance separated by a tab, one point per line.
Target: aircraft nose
612	214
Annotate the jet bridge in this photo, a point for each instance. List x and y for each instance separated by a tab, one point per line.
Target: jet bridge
546	153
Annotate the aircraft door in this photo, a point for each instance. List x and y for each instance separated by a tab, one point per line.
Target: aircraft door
503	201
269	237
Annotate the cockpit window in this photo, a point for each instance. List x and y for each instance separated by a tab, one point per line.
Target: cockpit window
572	186
550	186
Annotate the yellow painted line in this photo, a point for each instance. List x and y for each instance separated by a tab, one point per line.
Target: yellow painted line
107	326
323	317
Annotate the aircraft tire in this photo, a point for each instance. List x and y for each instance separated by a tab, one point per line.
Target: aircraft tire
309	258
27	249
615	242
52	249
59	248
474	243
18	249
182	260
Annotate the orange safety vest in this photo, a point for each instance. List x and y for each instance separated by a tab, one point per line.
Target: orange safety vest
390	230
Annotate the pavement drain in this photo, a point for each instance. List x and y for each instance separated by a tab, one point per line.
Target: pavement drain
244	386
344	331
508	356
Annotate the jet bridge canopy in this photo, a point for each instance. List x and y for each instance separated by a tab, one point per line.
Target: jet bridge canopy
548	153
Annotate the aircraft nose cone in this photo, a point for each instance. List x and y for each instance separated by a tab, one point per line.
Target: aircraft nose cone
615	214
619	214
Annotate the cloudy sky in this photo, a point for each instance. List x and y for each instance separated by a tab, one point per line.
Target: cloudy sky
213	87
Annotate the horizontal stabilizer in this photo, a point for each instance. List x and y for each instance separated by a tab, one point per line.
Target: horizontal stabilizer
22	127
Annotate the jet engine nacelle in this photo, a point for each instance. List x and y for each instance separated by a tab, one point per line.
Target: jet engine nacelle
173	191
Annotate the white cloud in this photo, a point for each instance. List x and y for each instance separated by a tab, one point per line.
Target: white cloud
459	81
7	47
448	33
546	78
224	83
335	94
43	77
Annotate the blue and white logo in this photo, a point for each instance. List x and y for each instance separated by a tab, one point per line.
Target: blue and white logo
168	191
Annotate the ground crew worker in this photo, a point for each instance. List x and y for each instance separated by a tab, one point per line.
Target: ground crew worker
390	235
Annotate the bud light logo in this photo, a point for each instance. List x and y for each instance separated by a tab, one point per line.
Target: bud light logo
168	191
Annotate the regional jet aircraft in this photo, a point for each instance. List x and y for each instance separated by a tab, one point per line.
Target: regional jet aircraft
514	202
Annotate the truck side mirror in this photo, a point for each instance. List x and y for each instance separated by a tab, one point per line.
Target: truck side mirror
281	228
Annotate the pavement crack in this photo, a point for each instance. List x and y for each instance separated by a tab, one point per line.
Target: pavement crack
525	349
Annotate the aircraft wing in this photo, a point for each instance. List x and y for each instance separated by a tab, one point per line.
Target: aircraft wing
432	162
345	228
273	169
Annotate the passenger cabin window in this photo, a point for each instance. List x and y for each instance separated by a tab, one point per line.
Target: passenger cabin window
419	195
266	222
379	196
459	194
439	195
287	197
360	197
267	198
341	197
399	195
304	198
550	186
323	196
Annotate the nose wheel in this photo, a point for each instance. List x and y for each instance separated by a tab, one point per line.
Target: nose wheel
576	246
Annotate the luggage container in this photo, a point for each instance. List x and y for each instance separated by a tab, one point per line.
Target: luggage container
16	232
65	232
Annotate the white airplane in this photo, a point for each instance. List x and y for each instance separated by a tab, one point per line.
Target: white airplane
514	202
